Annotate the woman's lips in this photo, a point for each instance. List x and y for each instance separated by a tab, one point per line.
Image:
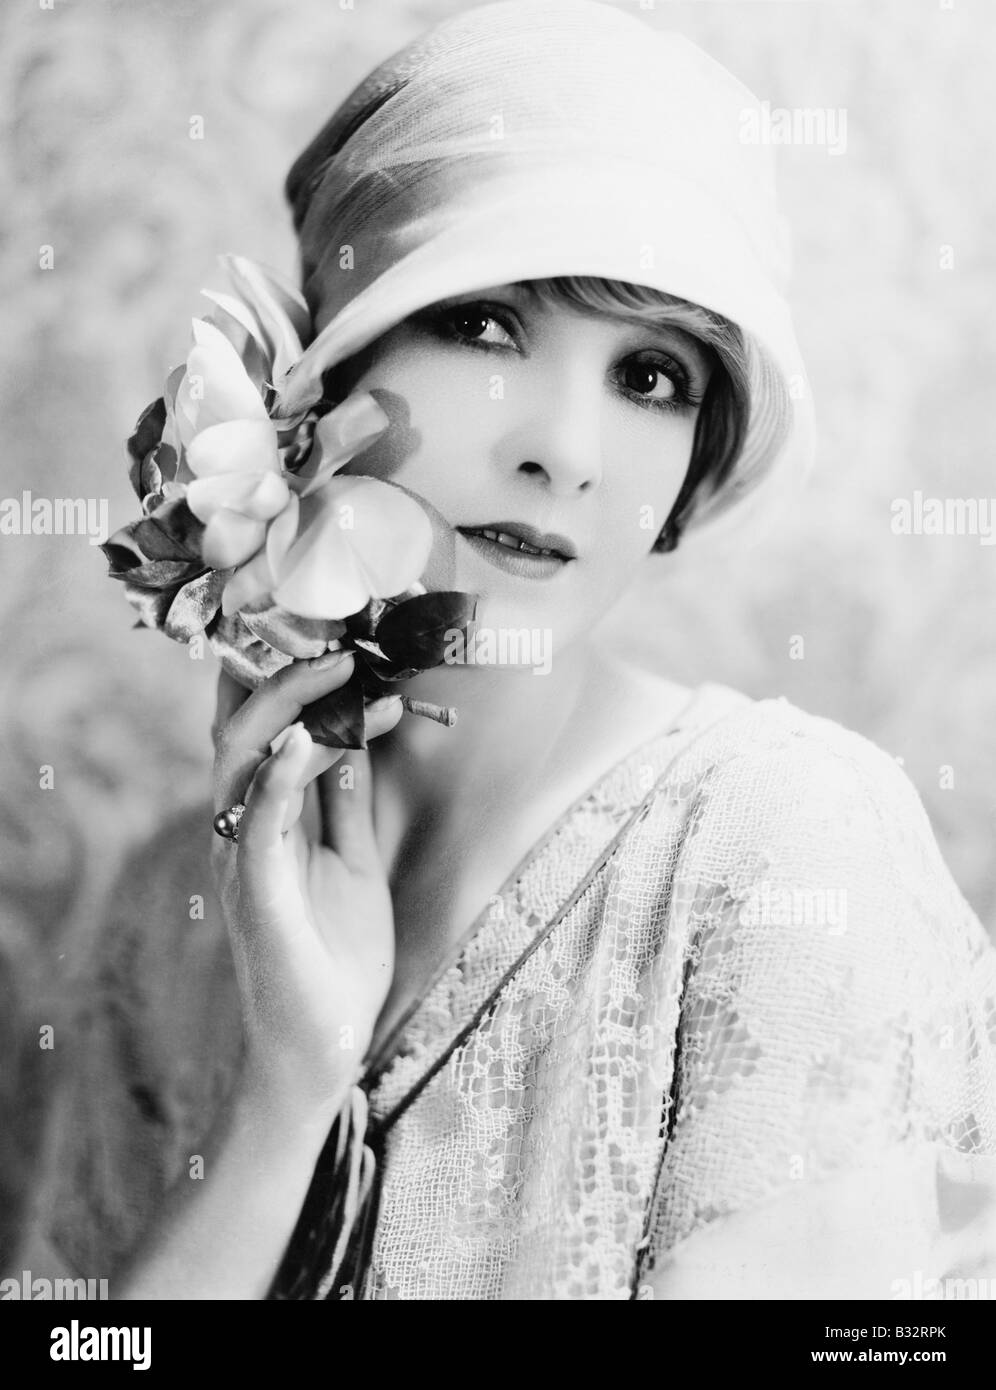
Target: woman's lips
524	563
519	535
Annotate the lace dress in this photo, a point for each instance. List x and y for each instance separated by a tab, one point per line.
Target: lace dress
735	977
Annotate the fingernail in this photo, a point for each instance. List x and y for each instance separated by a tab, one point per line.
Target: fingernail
327	660
284	737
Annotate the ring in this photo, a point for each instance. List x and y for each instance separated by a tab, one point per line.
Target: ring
226	823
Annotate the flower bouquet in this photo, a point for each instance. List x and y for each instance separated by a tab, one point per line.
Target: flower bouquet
252	535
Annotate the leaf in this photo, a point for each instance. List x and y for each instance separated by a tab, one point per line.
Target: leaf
368	647
171	532
195	605
414	633
146	435
298	637
244	656
148	429
165	459
149	475
390	670
161	574
127	560
121	551
363	622
374	686
337	719
411	592
151	605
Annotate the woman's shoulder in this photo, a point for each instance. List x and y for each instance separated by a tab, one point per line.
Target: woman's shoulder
761	789
781	808
769	745
771	720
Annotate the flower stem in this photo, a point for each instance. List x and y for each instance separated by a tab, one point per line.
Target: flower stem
442	714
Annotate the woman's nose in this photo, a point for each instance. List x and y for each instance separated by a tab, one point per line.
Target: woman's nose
559	434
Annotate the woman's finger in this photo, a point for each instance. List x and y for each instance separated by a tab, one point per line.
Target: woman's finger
231	695
275	783
244	741
346	801
321	758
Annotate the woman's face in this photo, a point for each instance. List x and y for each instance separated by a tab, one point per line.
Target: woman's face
506	409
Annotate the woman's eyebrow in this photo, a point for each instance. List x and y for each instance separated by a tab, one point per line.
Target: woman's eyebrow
700	352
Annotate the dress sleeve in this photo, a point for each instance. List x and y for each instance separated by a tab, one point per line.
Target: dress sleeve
153	1042
837	1033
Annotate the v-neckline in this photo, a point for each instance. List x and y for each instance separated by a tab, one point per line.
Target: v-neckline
384	1057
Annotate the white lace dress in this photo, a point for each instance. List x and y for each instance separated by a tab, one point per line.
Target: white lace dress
730	1020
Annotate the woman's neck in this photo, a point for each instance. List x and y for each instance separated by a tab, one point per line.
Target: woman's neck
509	724
519	737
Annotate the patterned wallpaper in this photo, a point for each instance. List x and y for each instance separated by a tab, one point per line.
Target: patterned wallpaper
893	261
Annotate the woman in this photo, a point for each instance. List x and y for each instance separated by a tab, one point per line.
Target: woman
616	989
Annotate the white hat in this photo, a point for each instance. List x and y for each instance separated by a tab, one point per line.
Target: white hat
527	139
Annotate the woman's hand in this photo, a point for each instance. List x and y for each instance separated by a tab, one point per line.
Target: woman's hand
311	925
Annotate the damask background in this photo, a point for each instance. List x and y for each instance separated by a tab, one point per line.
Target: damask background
893	294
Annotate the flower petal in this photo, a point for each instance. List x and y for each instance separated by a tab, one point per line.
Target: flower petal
237	446
261	286
282	535
319	577
233	319
242	315
344	432
231	539
216	386
259	496
250	582
281	311
388	532
257	578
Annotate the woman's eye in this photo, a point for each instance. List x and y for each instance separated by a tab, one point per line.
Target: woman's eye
473	323
657	383
654	381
